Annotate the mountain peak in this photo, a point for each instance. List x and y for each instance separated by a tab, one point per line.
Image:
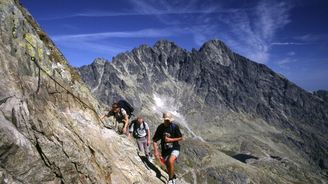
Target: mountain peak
99	61
214	45
165	44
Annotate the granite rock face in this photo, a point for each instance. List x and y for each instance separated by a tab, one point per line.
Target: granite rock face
50	131
227	105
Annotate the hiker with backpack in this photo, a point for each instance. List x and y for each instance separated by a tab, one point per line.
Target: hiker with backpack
170	135
140	131
122	112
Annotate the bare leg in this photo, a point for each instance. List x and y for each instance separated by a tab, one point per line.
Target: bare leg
170	166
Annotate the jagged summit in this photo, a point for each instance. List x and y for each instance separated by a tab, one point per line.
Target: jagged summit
165	45
99	61
214	45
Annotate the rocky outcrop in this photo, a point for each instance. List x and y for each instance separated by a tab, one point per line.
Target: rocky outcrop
50	131
228	104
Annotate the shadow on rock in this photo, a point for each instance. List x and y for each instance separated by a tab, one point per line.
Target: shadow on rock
153	167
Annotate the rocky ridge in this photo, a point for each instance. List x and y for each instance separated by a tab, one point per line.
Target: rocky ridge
226	103
50	131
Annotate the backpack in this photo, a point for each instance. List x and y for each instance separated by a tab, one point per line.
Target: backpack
135	133
126	106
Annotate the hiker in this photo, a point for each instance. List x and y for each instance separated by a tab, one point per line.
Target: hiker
140	131
170	135
121	116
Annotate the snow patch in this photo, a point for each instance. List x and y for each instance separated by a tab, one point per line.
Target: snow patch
99	80
169	104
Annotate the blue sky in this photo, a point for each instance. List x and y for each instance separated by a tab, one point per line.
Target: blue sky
290	36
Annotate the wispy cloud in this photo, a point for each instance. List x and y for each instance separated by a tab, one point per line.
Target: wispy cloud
101	48
258	30
151	12
148	8
286	61
145	33
312	37
101	42
288	43
249	31
144	11
292	53
193	12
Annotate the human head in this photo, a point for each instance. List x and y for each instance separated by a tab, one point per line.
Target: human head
115	107
140	119
167	117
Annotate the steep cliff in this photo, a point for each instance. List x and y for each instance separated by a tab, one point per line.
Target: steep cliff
50	131
225	104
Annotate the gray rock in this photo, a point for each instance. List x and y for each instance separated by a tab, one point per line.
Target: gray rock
49	122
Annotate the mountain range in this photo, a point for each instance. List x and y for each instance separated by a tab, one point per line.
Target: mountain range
224	102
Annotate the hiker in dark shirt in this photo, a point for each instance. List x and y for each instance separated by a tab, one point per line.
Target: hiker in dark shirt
170	135
140	131
121	117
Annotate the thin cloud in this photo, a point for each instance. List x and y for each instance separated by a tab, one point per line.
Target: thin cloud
163	9
313	37
287	43
249	31
100	42
103	48
141	9
292	53
252	32
144	12
286	61
145	33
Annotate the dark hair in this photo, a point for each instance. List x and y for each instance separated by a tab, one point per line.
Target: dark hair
115	105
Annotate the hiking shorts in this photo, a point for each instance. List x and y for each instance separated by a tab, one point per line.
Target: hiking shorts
174	152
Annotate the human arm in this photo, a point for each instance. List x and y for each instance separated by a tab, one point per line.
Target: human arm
102	116
131	129
156	153
148	137
157	137
126	122
168	139
108	113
